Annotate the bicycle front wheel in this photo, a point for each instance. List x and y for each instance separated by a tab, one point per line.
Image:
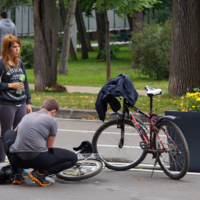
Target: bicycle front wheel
175	159
106	143
84	169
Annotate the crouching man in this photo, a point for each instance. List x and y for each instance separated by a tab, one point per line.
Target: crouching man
30	145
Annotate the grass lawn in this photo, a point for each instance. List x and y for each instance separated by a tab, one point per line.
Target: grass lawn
91	72
87	101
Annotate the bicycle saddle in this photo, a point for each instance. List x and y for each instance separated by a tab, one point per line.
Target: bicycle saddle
153	91
85	147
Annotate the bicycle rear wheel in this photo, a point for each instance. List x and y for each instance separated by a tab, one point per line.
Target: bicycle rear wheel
86	169
174	162
105	143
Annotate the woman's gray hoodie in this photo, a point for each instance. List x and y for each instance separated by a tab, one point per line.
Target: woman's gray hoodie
6	27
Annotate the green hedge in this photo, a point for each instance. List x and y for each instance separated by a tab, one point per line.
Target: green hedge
27	54
151	49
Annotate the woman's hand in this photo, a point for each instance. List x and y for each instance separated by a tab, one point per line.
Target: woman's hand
28	108
16	85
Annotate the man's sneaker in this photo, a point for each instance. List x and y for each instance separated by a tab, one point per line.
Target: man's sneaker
39	178
18	179
24	172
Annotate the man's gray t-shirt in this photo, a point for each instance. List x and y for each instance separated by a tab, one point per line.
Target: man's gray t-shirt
33	132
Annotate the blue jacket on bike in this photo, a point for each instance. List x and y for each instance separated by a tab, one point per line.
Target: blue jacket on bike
120	86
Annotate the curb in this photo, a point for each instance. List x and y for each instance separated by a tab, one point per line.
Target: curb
85	114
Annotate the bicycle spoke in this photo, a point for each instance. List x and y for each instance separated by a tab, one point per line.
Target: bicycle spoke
85	169
106	142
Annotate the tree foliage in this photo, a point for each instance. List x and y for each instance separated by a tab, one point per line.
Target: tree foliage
163	11
125	6
163	4
86	6
8	4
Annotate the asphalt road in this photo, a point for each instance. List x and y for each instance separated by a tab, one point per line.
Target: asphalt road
133	184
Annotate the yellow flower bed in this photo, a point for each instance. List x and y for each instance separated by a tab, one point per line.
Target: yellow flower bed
191	102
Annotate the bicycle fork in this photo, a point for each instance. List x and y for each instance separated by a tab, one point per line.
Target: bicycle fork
121	141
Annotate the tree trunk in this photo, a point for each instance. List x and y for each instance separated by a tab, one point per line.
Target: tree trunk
63	67
63	16
130	20
81	26
185	61
46	43
101	32
72	51
107	42
81	31
133	20
136	19
62	11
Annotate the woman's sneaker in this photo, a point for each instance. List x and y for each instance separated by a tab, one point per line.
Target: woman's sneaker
39	178
18	179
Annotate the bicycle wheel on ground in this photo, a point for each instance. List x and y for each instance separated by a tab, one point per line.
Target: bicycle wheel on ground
174	162
106	143
86	169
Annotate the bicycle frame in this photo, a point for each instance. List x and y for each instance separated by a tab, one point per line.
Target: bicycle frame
152	123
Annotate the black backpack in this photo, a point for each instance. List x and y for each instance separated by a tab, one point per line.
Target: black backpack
6	174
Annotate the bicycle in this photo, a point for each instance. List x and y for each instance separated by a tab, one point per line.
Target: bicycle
86	166
129	143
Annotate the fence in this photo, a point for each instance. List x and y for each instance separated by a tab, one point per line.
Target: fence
22	16
115	22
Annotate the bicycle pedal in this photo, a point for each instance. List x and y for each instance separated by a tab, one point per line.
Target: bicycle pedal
144	145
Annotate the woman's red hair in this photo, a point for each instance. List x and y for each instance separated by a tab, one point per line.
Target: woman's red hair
8	41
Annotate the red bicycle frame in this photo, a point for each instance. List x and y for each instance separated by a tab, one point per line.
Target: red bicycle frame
152	129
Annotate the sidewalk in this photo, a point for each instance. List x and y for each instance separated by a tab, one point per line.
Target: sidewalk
86	89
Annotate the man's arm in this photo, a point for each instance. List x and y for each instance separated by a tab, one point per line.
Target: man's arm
15	31
50	141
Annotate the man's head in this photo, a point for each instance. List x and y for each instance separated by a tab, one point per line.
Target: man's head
51	106
4	15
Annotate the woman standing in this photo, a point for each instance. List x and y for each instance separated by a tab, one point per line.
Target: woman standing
15	98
